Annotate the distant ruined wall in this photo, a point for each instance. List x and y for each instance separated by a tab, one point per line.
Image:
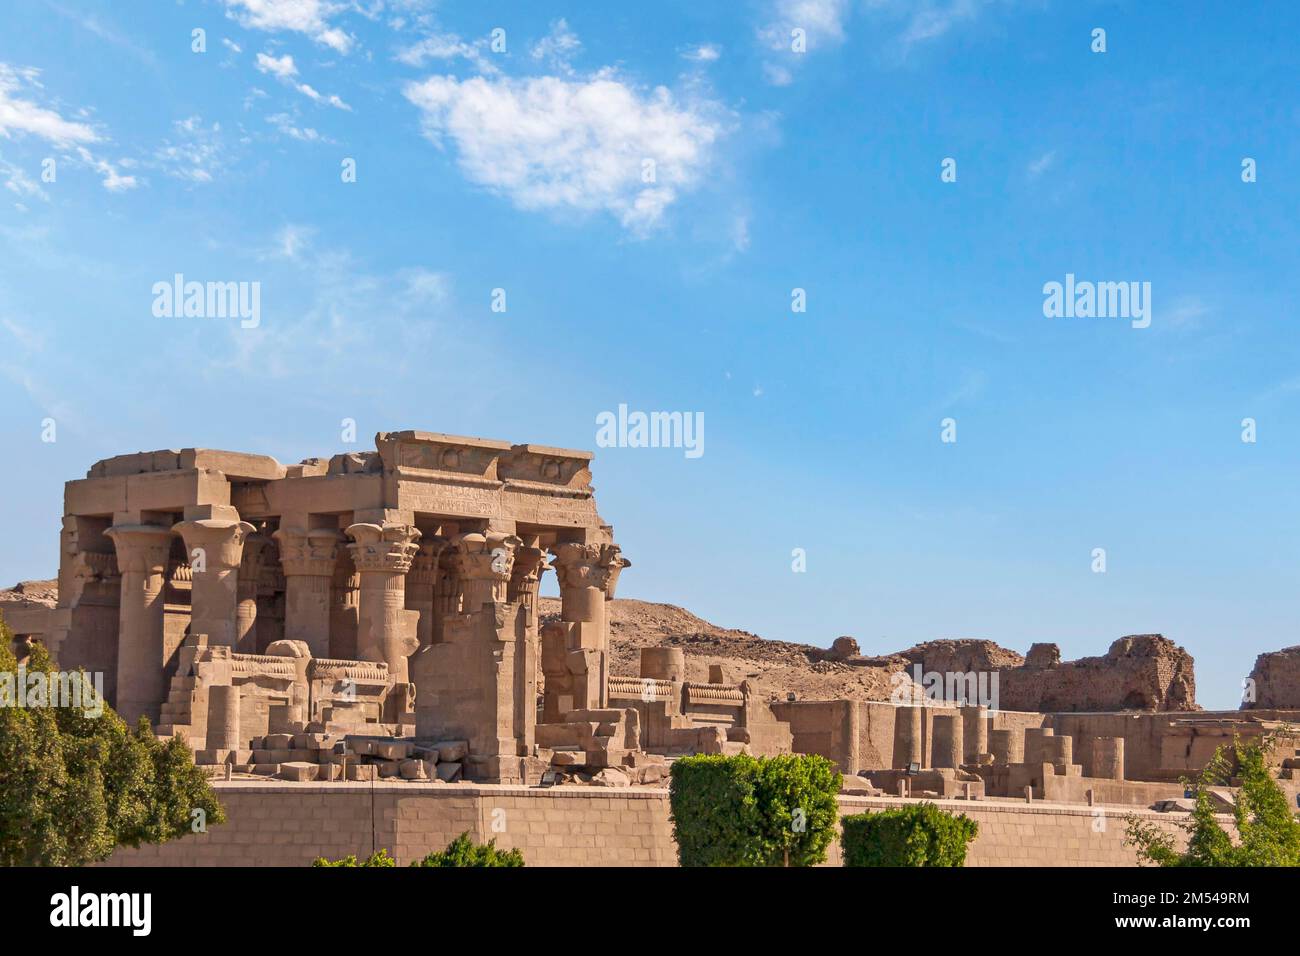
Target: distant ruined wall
1277	680
1139	672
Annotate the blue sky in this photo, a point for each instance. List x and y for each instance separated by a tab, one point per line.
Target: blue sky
522	169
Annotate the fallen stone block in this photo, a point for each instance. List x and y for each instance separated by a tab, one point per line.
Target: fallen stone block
449	772
412	769
452	751
278	741
361	771
298	770
389	768
395	750
610	777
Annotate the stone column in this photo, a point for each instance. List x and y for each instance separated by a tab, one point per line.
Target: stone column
947	750
215	547
383	555
1007	746
525	580
307	558
345	590
1035	746
142	551
446	591
582	578
1108	758
975	731
256	550
422	583
912	720
223	718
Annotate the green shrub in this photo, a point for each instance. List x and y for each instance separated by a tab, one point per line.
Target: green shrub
746	811
1269	833
463	851
918	835
73	787
380	858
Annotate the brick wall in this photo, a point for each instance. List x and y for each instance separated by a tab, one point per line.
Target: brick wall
290	824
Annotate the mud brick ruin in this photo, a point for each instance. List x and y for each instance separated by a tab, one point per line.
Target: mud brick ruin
375	615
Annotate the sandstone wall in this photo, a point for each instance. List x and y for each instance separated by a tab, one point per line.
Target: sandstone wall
1277	680
1139	672
288	824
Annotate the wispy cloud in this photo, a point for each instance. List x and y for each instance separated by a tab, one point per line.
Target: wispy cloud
284	69
796	28
552	143
311	18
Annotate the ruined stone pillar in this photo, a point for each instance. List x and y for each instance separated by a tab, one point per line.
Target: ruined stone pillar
1035	748
256	548
525	580
345	590
663	663
1007	746
913	749
975	731
1108	758
383	555
215	547
142	551
223	718
307	558
947	751
582	576
422	583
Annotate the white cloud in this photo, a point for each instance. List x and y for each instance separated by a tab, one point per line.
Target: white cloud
551	143
821	23
309	17
284	69
288	125
24	116
925	20
1042	164
557	48
194	153
704	53
17	181
113	181
445	46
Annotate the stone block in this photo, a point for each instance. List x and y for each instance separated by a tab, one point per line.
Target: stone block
449	772
452	751
298	770
361	771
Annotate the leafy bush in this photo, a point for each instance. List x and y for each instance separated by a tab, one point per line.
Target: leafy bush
375	859
919	835
73	787
746	811
1269	833
463	851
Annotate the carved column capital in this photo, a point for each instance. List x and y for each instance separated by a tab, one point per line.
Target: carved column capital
311	552
219	541
386	547
425	566
141	548
486	557
589	566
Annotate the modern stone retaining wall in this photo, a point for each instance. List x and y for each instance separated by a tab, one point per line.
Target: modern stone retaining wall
290	824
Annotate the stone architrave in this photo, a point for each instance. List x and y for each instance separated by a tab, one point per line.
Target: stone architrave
308	557
382	555
142	551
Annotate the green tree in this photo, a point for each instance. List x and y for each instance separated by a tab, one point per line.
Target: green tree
745	811
463	851
1268	832
379	858
917	835
75	785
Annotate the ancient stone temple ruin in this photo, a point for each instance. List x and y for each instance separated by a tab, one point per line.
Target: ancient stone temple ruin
262	610
376	614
